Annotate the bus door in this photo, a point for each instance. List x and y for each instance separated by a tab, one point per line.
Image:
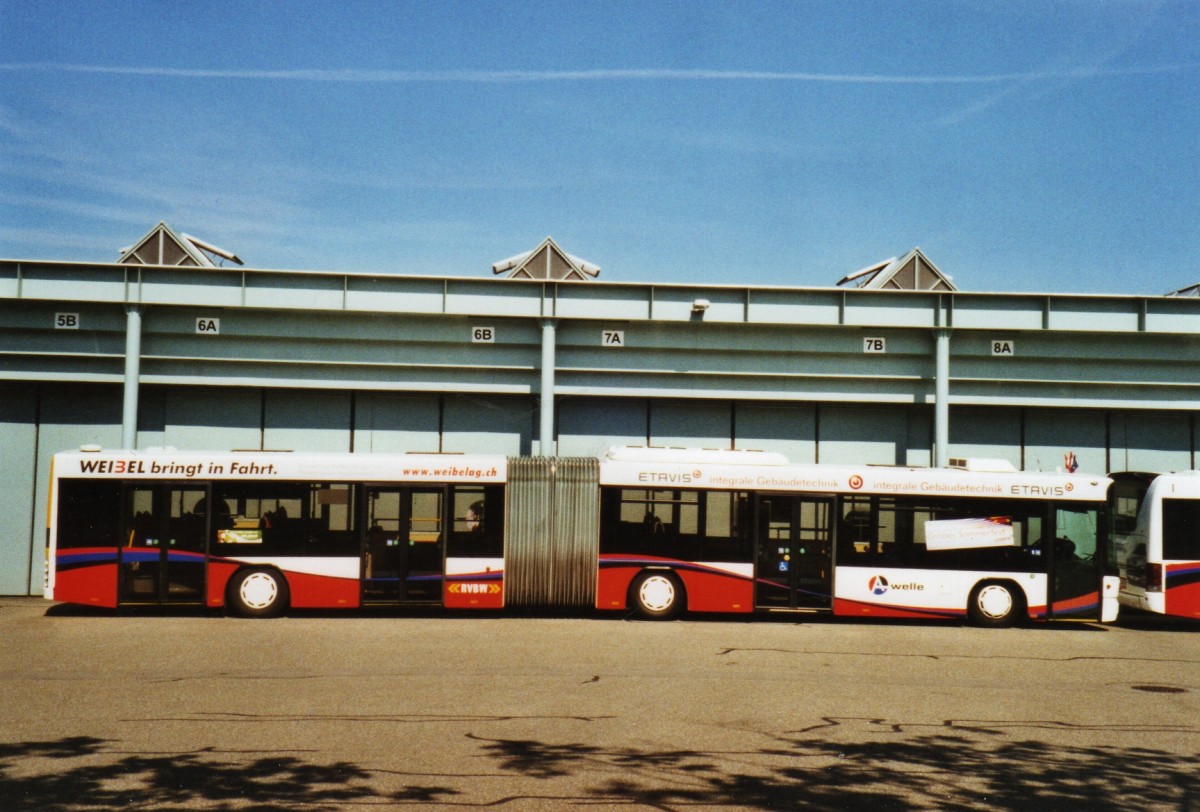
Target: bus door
1077	564
404	549
163	551
793	562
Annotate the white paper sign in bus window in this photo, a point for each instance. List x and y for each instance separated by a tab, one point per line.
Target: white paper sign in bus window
965	534
239	536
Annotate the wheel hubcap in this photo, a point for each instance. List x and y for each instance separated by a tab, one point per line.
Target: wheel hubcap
259	590
995	601
657	593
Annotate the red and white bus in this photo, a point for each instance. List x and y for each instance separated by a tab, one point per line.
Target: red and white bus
744	531
262	531
1157	534
656	531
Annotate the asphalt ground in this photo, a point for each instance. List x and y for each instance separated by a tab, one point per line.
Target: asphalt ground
395	710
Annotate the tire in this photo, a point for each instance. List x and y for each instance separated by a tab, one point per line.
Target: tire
657	595
995	604
258	593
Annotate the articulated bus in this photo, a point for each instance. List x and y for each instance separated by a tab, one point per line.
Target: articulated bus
1156	521
258	532
653	531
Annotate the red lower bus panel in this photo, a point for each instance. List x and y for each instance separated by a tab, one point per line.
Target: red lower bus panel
708	590
219	573
613	585
465	593
322	591
1183	590
90	586
714	591
1085	606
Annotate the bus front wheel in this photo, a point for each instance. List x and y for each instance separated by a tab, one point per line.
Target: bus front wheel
658	595
258	593
995	604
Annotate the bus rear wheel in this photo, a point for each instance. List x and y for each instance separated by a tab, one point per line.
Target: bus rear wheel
995	604
258	593
658	595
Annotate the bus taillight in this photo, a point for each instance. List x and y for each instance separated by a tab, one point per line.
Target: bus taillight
1154	577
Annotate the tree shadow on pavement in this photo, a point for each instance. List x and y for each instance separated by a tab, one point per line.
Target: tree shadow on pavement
942	772
84	773
963	768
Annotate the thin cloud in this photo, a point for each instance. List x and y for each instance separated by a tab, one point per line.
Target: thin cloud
597	75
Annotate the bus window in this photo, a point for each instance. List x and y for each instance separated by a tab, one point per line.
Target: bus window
89	513
1077	555
680	525
478	529
727	534
1127	497
869	531
888	551
1181	529
656	511
287	518
892	532
1077	533
856	532
425	521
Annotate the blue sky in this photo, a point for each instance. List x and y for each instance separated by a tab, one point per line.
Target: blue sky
1024	146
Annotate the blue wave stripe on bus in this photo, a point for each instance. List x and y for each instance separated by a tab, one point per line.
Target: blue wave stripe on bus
82	559
632	561
1087	609
154	555
140	556
1183	576
135	554
1069	610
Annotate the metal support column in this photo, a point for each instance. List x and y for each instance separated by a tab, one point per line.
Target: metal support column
546	443
133	364
941	404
